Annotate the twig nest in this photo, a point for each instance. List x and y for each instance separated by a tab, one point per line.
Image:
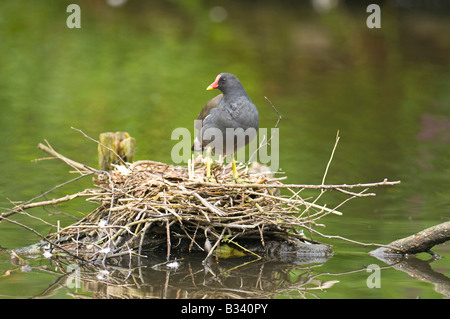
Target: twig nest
150	205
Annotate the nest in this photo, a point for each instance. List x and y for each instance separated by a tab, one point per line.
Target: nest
152	206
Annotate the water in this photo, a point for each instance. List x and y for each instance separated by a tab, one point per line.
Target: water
143	68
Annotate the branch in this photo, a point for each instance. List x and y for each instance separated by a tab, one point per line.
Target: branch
421	242
102	145
20	208
385	182
212	208
68	161
41	236
331	158
346	239
268	141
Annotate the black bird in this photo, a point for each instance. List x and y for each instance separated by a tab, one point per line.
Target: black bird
227	122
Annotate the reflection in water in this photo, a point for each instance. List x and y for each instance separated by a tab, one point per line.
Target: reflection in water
195	278
421	270
192	278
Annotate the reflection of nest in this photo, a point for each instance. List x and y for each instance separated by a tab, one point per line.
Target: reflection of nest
194	279
155	206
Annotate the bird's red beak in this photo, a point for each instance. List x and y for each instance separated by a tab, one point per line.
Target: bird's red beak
215	84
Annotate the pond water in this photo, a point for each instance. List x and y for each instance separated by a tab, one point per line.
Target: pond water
143	68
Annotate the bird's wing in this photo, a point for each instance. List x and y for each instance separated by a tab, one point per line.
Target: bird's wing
213	103
204	113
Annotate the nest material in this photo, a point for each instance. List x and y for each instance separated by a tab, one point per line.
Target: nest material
150	205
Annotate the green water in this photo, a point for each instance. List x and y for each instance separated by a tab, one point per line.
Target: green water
143	68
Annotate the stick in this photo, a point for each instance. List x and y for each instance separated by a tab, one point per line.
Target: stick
215	244
299	201
168	238
243	248
213	209
76	165
42	237
58	186
19	208
108	148
385	182
346	239
268	141
421	242
331	157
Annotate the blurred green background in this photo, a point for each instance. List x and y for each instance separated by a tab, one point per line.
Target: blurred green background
143	67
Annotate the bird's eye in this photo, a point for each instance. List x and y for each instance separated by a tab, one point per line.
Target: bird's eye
224	79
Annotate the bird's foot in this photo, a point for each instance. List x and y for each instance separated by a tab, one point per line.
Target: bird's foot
210	179
239	180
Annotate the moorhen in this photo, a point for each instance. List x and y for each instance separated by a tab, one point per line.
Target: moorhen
227	122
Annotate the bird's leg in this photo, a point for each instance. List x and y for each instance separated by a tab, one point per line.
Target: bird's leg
208	165
235	173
